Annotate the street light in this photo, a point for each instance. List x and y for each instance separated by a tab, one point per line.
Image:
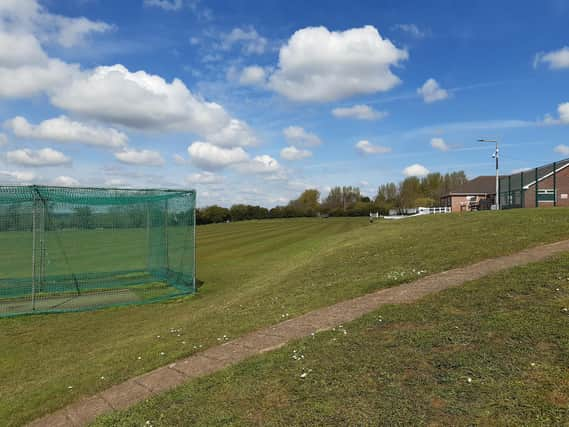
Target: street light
495	156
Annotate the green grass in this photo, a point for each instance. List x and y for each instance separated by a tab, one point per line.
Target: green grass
493	352
253	274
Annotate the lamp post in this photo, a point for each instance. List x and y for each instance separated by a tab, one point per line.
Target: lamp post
496	156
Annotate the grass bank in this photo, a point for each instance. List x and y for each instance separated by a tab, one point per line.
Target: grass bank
493	352
254	273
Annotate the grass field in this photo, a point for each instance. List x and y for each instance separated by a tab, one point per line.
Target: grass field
493	352
254	274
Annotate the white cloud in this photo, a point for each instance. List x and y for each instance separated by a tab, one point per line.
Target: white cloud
140	157
29	80
210	157
296	135
562	149
17	177
439	144
563	111
72	31
65	181
293	153
236	133
360	112
25	68
20	49
416	170
556	60
321	65
164	4
250	41
411	29
252	76
28	16
43	157
366	147
204	178
140	100
260	165
62	129
432	92
3	140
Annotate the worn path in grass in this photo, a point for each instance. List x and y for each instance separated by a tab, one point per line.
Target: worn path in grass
124	395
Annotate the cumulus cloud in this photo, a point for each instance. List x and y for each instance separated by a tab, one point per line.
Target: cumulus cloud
236	133
140	100
43	157
264	164
366	147
432	92
360	112
204	178
296	135
293	153
556	60
164	4
563	112
28	16
3	140
211	157
439	144
416	170
132	156
19	177
562	149
65	181
320	65
252	76
32	79
25	69
251	42
65	130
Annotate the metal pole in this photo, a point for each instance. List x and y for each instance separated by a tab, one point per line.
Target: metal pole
195	245
536	188
34	255
497	179
554	184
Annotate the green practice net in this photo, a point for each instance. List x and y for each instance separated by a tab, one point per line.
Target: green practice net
74	249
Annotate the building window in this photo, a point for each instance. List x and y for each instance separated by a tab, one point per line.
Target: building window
546	195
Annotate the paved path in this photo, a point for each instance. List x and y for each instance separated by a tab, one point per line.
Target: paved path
124	395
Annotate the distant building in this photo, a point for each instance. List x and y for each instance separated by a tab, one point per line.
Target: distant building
476	194
544	186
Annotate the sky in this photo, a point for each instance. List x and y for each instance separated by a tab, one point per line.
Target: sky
255	101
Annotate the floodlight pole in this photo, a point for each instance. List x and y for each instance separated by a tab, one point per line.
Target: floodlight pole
496	156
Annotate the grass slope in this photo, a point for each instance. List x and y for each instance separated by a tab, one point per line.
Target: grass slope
494	352
254	273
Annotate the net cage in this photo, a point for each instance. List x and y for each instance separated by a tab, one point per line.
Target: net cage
538	187
74	249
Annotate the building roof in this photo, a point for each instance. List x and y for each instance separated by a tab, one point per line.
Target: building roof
481	185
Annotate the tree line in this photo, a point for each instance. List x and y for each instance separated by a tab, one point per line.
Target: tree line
345	200
340	201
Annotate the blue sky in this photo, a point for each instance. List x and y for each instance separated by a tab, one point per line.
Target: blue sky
254	101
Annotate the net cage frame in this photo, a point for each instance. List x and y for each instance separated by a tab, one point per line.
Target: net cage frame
525	188
86	248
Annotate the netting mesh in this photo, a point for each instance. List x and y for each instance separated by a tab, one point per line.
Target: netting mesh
70	249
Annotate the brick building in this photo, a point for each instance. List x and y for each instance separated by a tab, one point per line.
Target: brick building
545	186
475	194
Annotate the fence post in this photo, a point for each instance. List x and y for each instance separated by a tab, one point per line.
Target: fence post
536	187
554	184
34	213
